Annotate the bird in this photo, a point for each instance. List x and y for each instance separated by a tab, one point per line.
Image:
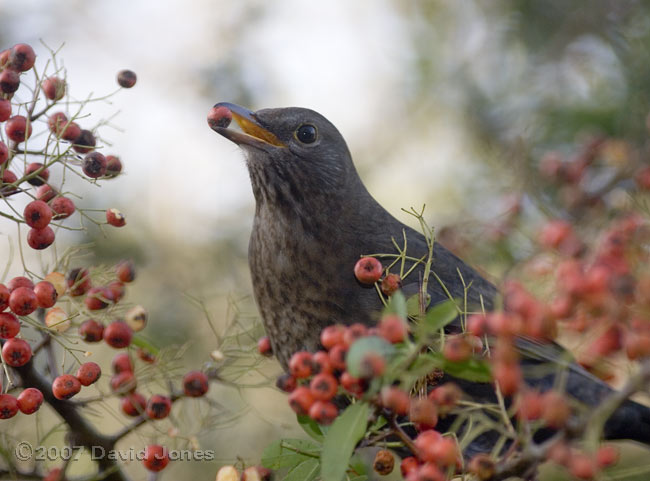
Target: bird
314	218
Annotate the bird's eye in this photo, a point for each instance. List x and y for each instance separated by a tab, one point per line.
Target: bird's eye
306	134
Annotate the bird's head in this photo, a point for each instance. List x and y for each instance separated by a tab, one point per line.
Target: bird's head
293	154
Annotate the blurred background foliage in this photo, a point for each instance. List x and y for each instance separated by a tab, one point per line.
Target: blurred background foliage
448	103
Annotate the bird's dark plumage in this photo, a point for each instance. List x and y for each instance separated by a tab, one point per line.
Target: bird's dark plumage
314	218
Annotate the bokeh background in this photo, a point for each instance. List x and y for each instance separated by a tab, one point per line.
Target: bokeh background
443	103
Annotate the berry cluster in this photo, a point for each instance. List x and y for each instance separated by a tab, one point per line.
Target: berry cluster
67	145
68	305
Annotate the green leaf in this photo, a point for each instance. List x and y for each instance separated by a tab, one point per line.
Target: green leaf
311	427
475	370
288	453
397	305
437	317
305	471
413	304
364	346
343	436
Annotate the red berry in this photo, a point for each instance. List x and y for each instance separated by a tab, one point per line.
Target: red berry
423	413
9	81
125	271
4	152
9	325
408	466
19	281
5	110
508	376
430	472
54	474
4	297
22	301
582	466
323	412
390	284
286	382
482	466
8	406
368	270
84	143
97	298
321	363
424	443
352	384
457	348
46	294
123	382
264	346
219	117
300	365
118	334
78	280
372	365
158	406
37	214
446	397
117	290
18	129
113	166
45	193
122	363
126	78
337	356
133	404
607	455
94	165
30	400
40	178
477	324
332	335
91	331
62	207
323	387
53	88
195	384
393	328
40	239
556	409
395	399
445	452
156	457
57	122
21	57
354	332
16	352
71	132
115	218
88	373
8	177
65	386
301	400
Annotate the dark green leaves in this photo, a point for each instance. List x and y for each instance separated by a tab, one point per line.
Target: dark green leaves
437	318
341	439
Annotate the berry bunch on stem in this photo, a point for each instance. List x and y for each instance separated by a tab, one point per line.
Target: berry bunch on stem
53	321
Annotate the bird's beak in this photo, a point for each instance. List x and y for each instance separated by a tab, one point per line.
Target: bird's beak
254	134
